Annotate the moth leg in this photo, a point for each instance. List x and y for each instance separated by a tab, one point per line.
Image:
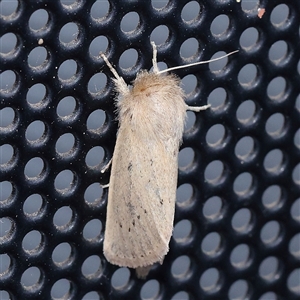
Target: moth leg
198	108
121	85
104	186
142	272
107	166
104	170
154	59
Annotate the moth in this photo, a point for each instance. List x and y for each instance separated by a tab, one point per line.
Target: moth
143	181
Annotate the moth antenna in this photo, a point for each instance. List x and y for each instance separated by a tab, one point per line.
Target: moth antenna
154	59
197	63
119	80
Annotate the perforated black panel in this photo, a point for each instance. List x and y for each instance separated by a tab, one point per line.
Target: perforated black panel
237	221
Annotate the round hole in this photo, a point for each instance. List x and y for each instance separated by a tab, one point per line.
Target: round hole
272	198
35	132
296	174
191	12
181	296
269	269
249	38
63	218
280	16
268	296
96	120
32	242
130	22
38	20
241	221
240	256
68	34
239	290
36	96
159	5
189	86
6	157
9	9
189	50
100	10
215	136
246	112
66	107
62	254
293	282
297	139
31	279
218	99
7	230
212	209
92	267
7	193
211	244
278	52
97	84
190	122
93	296
186	158
184	195
210	281
5	266
214	172
181	266
92	230
33	205
94	157
34	168
8	81
160	35
244	149
67	70
247	76
8	43
270	233
37	58
7	119
98	45
93	194
64	181
182	231
294	247
275	125
243	184
150	290
219	26
120	278
295	210
61	289
128	59
70	4
249	7
65	144
217	66
274	161
276	89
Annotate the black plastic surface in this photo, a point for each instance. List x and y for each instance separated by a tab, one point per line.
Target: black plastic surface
239	171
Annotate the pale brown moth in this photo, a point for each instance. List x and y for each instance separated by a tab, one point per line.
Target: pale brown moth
143	181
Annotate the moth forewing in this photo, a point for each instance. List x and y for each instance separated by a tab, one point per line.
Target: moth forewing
141	198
